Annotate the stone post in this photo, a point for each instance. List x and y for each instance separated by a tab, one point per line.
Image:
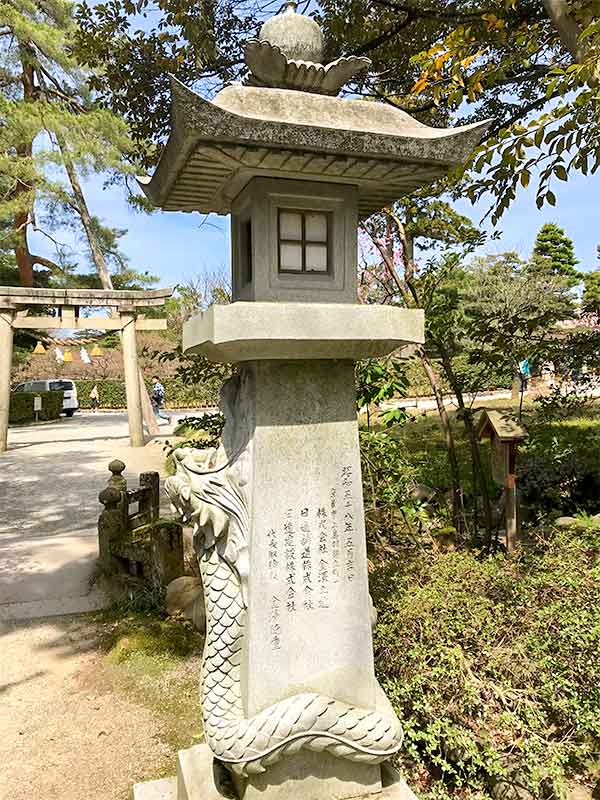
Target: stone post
118	482
308	563
6	349
166	547
150	504
110	523
132	381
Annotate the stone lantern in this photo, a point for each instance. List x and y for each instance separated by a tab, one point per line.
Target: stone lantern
290	702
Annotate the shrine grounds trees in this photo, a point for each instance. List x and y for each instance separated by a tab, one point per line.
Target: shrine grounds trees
554	252
492	662
531	67
51	135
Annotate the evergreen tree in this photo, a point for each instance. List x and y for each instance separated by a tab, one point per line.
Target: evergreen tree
591	293
51	133
553	252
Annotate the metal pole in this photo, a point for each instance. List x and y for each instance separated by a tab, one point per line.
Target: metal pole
132	381
6	349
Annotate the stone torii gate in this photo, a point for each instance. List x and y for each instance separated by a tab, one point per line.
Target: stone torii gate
125	316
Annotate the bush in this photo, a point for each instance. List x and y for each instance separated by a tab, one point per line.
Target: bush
493	664
21	406
178	395
558	467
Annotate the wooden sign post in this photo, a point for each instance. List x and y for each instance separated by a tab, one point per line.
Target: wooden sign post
504	434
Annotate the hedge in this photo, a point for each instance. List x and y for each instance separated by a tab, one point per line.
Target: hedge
180	395
21	406
112	393
485	381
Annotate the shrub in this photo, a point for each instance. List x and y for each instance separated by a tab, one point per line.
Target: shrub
493	664
559	466
21	406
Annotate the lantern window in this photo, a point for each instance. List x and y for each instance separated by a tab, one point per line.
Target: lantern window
304	241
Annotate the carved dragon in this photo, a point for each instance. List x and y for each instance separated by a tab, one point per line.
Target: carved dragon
213	499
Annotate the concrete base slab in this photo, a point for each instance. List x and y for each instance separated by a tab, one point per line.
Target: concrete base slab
200	777
163	789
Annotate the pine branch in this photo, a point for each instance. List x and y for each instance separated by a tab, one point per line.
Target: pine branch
46	262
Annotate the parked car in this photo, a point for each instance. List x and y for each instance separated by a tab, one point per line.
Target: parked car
70	401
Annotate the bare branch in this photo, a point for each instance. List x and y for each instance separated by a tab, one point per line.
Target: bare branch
432	13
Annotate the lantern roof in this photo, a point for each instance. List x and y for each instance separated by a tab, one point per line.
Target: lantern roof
285	121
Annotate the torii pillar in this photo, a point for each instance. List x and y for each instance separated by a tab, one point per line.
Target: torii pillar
133	388
6	350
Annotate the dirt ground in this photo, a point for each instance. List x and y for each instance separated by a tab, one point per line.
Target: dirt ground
81	721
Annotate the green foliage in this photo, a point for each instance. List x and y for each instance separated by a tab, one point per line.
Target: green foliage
21	406
133	64
194	369
388	477
558	466
493	664
512	309
201	432
553	252
508	62
178	394
52	132
591	293
378	380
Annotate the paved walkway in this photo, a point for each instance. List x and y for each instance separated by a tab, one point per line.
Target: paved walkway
49	483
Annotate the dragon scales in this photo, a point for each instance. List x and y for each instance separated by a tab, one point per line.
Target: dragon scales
209	491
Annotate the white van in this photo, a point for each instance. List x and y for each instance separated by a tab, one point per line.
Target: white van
70	401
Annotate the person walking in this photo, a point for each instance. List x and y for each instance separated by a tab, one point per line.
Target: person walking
157	398
94	399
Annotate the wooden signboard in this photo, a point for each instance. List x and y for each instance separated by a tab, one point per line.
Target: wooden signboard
500	457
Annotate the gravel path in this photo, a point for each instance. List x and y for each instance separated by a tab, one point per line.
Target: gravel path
65	734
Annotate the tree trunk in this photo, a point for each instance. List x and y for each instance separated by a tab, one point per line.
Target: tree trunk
22	254
23	216
473	443
449	438
86	218
567	28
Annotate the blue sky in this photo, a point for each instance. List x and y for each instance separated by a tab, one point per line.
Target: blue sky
177	246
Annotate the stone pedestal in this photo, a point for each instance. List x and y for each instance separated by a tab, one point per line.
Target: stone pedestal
314	776
290	700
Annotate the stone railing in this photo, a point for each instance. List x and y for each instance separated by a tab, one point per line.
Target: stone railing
133	540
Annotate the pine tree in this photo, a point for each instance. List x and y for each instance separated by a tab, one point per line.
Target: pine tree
51	133
553	252
591	293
